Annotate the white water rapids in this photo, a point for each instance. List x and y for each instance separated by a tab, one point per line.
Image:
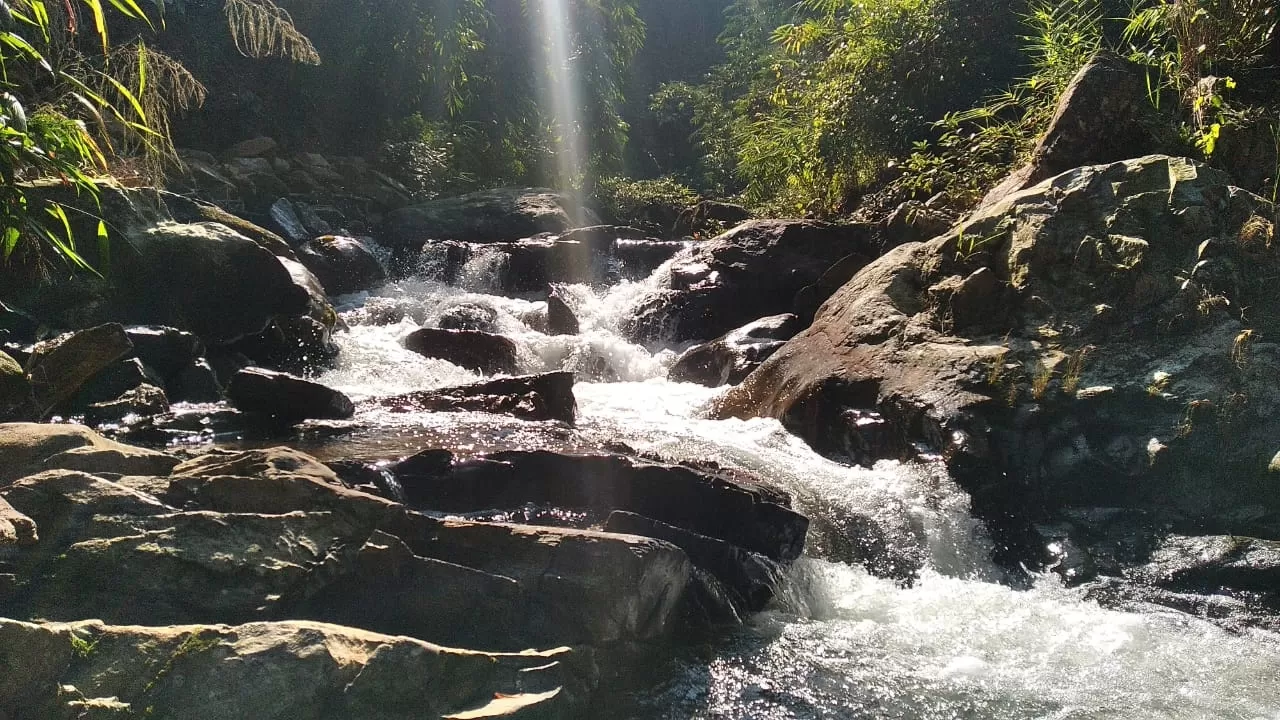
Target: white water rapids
841	643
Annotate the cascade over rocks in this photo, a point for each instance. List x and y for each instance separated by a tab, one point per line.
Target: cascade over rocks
1078	344
730	358
502	214
752	271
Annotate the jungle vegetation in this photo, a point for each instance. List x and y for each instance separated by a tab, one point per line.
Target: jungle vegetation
810	107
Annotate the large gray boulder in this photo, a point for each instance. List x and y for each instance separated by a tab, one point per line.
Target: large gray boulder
502	214
1103	339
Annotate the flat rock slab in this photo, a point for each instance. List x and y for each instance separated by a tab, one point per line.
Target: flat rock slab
548	396
751	517
29	448
289	669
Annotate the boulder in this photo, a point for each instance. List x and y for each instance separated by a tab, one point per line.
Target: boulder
196	384
121	377
16	530
560	317
477	318
142	401
28	448
252	148
285	217
915	221
167	350
704	502
749	578
1083	343
503	214
749	272
15	388
59	368
1105	115
286	398
204	278
344	265
477	351
729	359
291	669
548	396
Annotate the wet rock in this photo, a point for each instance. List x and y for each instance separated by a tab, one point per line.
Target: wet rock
294	669
548	396
15	389
503	214
116	380
709	216
286	398
141	401
749	577
749	516
270	463
59	368
751	271
296	344
343	265
560	317
1054	352
478	318
729	359
1214	564
637	259
581	586
478	351
198	383
166	350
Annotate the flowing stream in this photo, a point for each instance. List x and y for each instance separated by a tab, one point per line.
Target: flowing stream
840	643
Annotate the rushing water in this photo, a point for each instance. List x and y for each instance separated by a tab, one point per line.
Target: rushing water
841	643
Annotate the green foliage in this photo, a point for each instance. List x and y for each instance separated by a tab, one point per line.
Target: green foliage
1195	49
51	141
649	204
980	146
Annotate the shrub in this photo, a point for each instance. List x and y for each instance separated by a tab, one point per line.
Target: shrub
648	204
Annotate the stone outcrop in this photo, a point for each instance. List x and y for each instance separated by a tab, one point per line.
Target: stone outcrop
1104	115
1102	339
29	448
752	271
292	669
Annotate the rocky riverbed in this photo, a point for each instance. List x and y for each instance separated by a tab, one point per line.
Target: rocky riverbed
516	468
